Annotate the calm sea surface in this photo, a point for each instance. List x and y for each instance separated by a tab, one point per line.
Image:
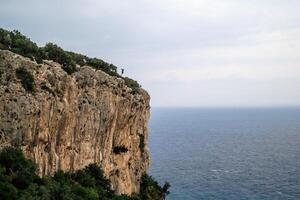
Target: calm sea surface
226	153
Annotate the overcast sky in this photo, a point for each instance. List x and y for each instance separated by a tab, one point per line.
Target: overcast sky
203	53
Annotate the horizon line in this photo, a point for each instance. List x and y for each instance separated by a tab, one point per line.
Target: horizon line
232	107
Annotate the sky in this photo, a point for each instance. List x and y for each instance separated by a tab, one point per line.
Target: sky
185	53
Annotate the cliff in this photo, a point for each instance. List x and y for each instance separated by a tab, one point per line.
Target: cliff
69	121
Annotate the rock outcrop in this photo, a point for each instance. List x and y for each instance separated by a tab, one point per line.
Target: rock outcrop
70	121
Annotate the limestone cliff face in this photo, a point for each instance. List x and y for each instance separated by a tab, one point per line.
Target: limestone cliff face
73	120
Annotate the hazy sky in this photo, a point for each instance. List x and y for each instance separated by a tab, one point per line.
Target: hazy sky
184	52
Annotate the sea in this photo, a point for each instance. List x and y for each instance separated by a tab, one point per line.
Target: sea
226	153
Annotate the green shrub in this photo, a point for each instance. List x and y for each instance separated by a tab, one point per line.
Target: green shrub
100	180
142	143
21	171
8	191
19	181
151	190
78	58
5	39
26	78
134	85
120	149
57	54
99	64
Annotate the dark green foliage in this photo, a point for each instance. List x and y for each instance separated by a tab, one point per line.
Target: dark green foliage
134	85
78	58
142	143
151	190
19	181
99	64
16	173
26	78
85	193
57	54
8	191
40	55
95	171
18	43
5	39
120	149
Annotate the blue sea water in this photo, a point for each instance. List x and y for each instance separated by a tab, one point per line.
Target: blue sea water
226	153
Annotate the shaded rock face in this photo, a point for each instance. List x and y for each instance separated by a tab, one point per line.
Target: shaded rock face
70	121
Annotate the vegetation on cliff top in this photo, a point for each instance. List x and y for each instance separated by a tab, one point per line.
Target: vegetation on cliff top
18	180
20	44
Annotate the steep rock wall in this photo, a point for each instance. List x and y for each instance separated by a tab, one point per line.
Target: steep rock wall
73	120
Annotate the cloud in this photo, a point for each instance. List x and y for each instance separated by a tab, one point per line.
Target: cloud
177	47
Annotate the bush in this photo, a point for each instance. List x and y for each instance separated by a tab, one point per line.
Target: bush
151	190
120	149
57	54
99	64
5	39
134	85
78	58
142	143
8	191
85	192
21	171
26	78
19	181
18	43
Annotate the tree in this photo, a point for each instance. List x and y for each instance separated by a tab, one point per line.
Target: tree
151	190
57	54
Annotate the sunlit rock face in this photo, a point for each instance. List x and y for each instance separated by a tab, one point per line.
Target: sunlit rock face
70	121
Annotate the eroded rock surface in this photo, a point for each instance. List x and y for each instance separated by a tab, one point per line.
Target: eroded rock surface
70	121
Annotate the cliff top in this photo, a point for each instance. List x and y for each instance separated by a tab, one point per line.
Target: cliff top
32	75
70	62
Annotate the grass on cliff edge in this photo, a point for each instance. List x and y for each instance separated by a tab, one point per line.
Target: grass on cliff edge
18	43
18	180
